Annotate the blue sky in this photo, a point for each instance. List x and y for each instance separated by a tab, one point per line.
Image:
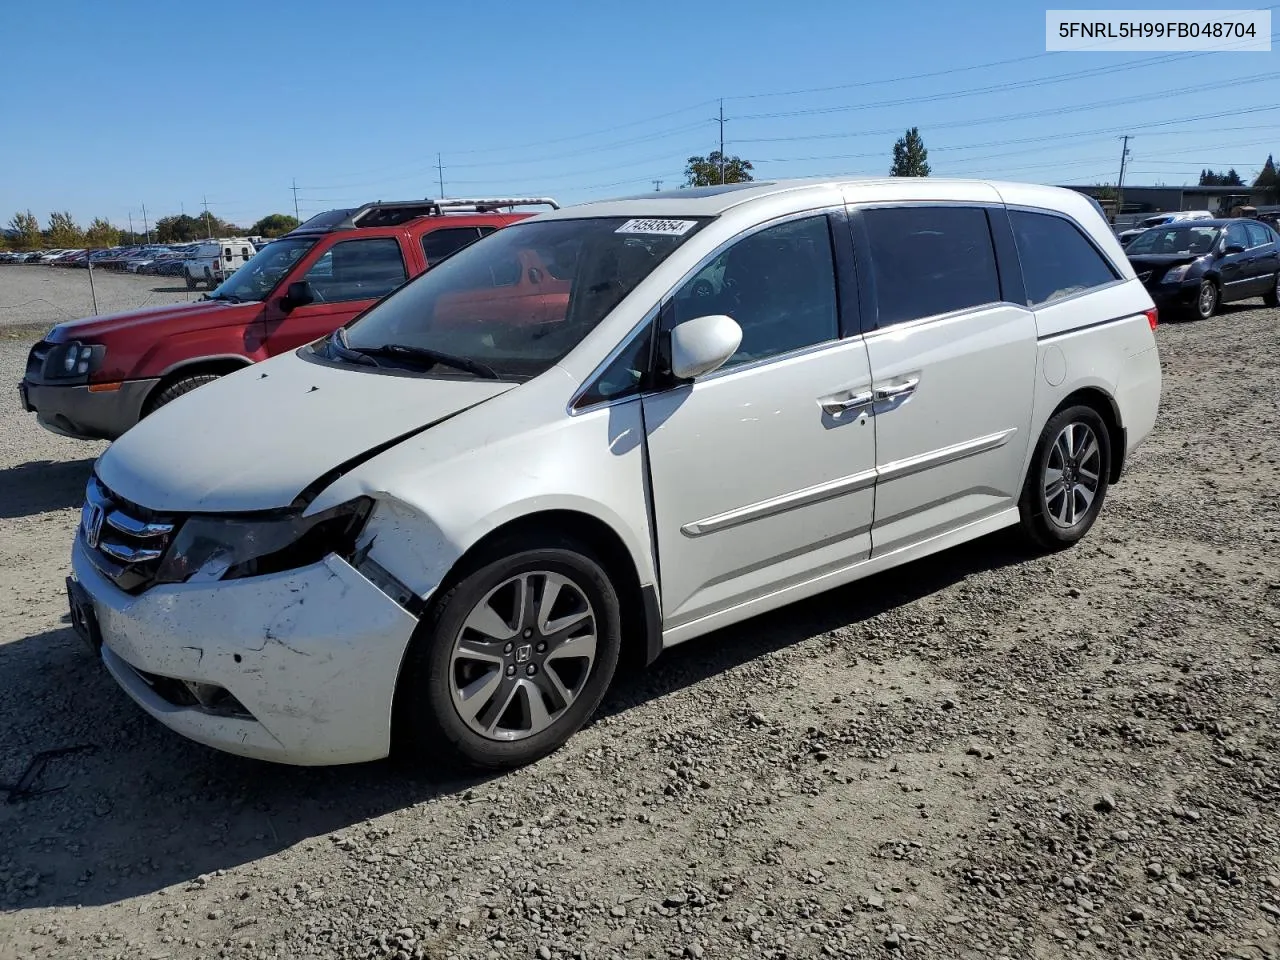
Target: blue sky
110	105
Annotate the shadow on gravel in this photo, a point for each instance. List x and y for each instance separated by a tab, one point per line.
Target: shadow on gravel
41	486
143	809
733	646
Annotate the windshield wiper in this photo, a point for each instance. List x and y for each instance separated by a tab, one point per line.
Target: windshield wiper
429	357
338	342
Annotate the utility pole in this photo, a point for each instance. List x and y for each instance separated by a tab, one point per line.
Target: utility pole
1124	156
657	186
145	225
131	226
296	215
440	172
722	140
207	225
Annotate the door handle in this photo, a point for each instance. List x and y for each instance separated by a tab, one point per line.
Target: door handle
853	402
904	389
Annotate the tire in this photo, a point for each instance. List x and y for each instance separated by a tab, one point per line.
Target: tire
1207	300
176	389
1055	520
430	695
191	281
1272	297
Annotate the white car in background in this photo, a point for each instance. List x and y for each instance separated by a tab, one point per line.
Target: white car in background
212	261
448	523
1159	220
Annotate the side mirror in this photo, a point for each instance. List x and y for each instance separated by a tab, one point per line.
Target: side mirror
299	294
703	344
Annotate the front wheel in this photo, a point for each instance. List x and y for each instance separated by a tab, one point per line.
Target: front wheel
1272	297
179	387
1068	478
1206	300
512	660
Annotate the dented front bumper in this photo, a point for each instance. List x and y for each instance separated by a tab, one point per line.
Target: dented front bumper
308	657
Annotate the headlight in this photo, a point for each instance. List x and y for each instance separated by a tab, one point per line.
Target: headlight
74	359
1174	274
226	548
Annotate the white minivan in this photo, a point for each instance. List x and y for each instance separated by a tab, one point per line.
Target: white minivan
598	433
213	261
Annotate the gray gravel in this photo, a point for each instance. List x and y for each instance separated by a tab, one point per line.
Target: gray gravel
986	753
40	296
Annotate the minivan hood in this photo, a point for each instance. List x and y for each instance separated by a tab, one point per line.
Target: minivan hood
175	317
257	438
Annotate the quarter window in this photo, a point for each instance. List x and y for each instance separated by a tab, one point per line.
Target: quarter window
1258	234
438	244
778	283
930	260
1057	259
357	270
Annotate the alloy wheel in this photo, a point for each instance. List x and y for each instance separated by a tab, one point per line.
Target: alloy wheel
1208	299
1072	474
523	655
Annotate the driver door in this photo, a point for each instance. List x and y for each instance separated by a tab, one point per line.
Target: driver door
345	279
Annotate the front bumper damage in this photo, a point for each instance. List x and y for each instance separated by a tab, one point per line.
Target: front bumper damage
297	667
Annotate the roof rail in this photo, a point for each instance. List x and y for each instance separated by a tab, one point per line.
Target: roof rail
488	204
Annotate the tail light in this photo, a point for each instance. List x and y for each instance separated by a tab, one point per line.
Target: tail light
1153	317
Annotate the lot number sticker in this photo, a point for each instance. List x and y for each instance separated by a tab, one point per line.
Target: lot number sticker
669	228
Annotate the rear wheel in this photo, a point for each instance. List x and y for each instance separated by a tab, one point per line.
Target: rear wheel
1068	478
1272	297
191	281
1206	300
176	389
512	660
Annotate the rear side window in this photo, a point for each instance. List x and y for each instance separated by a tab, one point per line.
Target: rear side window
1057	259
1258	234
438	244
930	260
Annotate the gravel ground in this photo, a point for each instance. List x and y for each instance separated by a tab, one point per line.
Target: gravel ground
986	753
41	296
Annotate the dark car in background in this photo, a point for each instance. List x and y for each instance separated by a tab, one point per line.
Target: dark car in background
1192	267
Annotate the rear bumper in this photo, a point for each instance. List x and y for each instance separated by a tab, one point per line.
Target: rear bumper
75	411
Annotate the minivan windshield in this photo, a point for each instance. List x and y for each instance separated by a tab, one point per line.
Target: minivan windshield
1174	239
261	272
512	304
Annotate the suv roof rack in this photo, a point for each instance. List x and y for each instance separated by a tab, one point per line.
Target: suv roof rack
391	213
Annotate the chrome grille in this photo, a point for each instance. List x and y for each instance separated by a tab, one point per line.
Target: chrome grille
125	542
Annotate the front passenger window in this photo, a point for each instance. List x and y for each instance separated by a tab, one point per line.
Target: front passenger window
779	284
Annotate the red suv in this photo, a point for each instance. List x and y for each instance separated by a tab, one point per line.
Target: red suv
95	378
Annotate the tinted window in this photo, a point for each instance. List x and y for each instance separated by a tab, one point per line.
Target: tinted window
1258	234
357	270
438	244
779	284
930	260
1057	259
623	375
1236	235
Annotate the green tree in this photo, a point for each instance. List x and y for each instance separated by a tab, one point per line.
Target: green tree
101	234
1229	179
706	171
1268	181
64	232
1105	191
24	229
273	225
183	228
910	158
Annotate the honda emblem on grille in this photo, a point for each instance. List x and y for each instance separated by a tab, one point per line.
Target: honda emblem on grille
92	523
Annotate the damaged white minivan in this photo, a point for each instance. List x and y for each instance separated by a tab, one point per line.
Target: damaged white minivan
598	433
